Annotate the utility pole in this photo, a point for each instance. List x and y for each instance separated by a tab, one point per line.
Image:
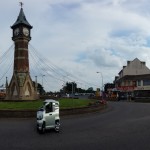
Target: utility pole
102	83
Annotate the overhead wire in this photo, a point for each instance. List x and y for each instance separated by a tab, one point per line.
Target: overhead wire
6	63
36	64
42	65
45	67
2	57
39	66
61	73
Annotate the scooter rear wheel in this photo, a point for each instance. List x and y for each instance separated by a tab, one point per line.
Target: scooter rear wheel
57	127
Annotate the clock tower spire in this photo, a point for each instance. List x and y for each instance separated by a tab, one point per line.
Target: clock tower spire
21	86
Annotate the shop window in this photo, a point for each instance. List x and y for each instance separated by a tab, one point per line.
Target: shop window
146	82
128	83
139	82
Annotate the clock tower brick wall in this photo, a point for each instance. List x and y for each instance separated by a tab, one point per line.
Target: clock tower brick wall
21	61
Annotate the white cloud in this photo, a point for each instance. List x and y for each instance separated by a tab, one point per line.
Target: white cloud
83	36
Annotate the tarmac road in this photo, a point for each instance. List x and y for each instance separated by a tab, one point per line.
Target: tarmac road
124	126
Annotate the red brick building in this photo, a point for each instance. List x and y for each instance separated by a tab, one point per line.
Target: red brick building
133	77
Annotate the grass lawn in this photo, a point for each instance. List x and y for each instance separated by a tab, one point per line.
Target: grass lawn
64	103
20	105
74	103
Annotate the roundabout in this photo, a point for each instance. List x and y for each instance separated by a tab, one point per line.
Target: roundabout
124	127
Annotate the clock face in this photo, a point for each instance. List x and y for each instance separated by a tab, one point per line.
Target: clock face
16	31
25	31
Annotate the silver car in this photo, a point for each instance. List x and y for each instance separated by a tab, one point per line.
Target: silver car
48	116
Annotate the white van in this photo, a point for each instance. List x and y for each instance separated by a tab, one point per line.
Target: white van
48	116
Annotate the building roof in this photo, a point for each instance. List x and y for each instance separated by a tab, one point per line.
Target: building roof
134	77
21	20
135	67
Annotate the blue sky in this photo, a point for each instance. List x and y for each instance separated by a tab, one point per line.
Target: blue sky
82	36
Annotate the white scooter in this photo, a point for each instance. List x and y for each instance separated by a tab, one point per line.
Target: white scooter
48	116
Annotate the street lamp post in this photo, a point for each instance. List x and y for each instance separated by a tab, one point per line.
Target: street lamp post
102	82
42	79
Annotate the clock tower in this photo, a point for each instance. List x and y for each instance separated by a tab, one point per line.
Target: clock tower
21	86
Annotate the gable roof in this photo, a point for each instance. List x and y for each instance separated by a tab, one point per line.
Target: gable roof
135	67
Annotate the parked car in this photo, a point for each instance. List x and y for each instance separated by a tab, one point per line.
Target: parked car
122	96
48	116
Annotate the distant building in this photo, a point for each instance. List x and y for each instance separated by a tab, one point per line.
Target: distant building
134	76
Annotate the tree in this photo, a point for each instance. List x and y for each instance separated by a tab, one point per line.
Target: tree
90	90
109	86
71	87
39	88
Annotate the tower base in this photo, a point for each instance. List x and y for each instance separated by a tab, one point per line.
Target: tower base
21	87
